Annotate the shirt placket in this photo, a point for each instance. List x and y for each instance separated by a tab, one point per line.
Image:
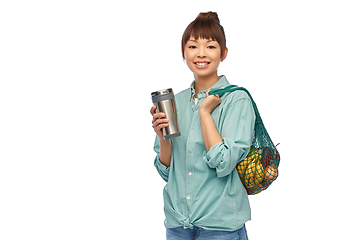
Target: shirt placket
190	157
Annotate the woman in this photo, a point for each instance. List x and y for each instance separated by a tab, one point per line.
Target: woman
204	197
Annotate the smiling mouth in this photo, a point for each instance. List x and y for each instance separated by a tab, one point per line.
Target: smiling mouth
201	64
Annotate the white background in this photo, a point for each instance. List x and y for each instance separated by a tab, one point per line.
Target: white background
76	158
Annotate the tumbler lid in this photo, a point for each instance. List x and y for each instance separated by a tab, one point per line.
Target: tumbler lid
161	92
162	95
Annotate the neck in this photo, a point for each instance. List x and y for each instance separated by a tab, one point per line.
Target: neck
203	83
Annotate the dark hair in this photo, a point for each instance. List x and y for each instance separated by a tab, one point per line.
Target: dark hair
207	26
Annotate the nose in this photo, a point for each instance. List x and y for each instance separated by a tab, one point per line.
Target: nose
201	53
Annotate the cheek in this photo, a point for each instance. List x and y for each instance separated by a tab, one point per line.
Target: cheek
188	55
190	64
216	55
188	59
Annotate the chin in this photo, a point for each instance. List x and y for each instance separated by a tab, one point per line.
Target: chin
204	74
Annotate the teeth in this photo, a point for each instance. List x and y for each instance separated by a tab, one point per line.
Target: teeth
201	64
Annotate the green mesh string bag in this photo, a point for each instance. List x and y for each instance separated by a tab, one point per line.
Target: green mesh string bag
260	167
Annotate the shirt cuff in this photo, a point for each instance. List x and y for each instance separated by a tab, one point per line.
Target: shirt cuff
162	169
160	166
214	155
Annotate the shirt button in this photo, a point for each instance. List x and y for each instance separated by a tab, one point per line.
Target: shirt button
188	197
190	173
190	150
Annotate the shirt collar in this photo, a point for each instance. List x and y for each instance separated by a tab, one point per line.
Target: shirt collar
222	82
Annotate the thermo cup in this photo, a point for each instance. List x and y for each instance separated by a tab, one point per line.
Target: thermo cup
165	102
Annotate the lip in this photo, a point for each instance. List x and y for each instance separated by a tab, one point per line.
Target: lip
201	66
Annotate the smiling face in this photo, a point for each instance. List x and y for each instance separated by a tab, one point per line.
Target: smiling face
203	57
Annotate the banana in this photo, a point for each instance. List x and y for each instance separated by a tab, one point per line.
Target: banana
254	173
244	164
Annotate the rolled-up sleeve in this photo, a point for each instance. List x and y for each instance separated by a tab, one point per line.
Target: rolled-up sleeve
237	132
161	168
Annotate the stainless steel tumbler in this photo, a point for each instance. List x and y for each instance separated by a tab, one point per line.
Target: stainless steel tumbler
165	102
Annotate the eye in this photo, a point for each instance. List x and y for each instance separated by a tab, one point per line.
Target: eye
211	47
192	46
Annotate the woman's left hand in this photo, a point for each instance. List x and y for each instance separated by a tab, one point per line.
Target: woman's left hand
210	102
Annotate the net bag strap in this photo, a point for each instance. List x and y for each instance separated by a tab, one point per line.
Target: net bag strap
231	88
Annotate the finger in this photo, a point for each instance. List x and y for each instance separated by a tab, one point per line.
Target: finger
207	93
160	121
161	125
153	110
159	130
158	115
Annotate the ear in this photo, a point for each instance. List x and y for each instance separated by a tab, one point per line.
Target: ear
225	54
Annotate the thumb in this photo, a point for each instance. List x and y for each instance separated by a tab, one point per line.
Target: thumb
207	93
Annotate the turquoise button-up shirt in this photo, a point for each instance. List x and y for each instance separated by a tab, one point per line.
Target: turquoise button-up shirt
203	188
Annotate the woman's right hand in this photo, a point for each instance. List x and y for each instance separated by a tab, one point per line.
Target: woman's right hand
158	121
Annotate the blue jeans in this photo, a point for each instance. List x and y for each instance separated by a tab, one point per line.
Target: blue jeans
196	233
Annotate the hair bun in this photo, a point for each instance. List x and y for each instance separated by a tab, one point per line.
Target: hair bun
212	15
